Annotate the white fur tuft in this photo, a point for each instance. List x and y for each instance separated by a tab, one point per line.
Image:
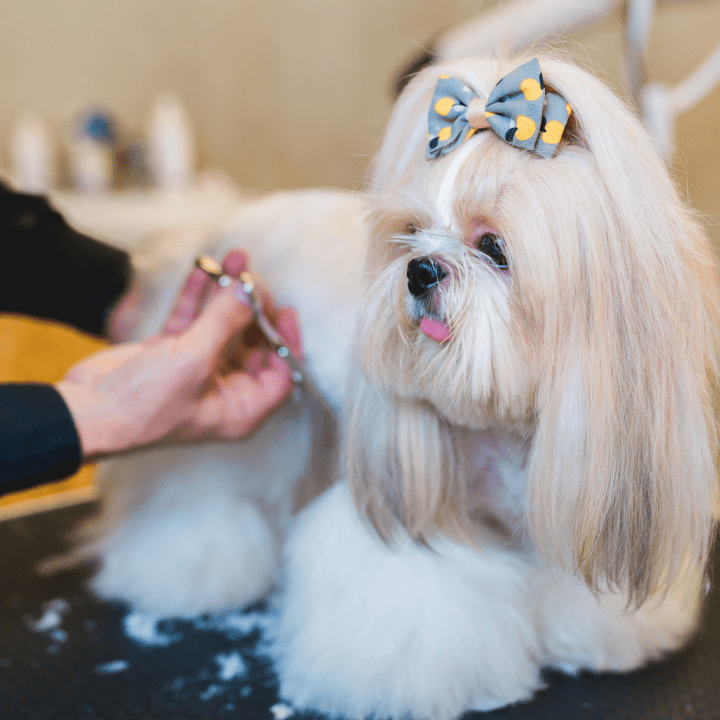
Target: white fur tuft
369	629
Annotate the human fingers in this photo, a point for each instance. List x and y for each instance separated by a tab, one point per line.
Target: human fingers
288	325
288	328
124	316
248	399
264	296
235	262
256	360
284	319
188	303
226	313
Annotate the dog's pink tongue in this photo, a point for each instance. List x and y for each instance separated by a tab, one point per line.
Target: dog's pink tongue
435	330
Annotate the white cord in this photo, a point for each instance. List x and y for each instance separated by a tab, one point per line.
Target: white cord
637	32
697	85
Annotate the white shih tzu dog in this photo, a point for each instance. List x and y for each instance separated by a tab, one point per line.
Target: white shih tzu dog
528	453
529	457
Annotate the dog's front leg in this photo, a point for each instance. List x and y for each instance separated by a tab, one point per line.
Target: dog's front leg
401	629
581	630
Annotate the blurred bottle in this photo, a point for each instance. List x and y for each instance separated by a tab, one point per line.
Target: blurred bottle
31	155
91	144
170	141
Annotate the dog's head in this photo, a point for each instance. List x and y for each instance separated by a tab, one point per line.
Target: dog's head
573	299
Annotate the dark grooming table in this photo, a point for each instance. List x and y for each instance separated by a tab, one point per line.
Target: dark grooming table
63	655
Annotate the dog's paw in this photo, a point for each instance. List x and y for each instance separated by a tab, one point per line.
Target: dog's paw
205	556
400	630
581	631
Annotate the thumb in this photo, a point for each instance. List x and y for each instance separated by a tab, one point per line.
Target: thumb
225	314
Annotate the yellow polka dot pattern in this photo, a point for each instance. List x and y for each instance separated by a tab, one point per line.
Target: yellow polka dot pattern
444	105
531	89
525	128
445	133
553	132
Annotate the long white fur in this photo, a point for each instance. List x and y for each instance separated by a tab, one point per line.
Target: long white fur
539	489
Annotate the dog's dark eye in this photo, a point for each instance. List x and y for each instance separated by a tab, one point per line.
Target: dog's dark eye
494	247
411	229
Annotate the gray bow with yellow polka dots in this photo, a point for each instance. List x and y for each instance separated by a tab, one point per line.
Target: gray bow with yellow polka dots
518	110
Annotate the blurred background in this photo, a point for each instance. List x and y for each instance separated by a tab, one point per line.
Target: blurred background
284	93
293	93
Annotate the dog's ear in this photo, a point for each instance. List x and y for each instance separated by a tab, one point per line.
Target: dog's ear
622	473
400	464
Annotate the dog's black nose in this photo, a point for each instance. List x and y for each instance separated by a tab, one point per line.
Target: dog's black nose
422	274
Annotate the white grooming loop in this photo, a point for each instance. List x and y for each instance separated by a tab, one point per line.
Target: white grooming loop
661	104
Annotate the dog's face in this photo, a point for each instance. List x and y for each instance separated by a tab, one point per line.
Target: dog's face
572	299
469	256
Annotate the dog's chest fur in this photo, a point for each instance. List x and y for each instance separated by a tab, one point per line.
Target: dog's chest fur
495	474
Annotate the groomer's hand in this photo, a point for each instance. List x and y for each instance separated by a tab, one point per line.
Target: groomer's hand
198	379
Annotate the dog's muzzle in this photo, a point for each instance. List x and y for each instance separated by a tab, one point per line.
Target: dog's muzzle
423	273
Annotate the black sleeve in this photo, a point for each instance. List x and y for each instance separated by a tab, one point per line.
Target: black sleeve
52	271
38	438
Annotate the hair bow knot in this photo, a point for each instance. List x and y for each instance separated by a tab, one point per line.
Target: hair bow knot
518	110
